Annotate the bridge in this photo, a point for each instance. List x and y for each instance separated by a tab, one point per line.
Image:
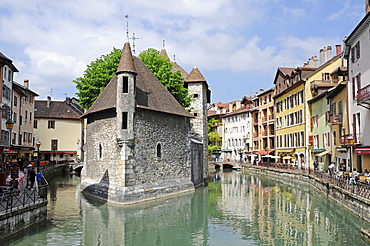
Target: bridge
225	165
75	167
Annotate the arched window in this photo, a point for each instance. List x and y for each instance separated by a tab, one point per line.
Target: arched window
159	150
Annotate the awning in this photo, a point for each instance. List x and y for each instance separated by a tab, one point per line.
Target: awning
264	152
58	152
317	150
323	153
227	150
10	152
285	150
362	151
287	157
276	157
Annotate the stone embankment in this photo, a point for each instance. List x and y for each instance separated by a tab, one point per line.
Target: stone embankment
353	201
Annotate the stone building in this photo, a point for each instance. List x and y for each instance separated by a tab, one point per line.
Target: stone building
140	144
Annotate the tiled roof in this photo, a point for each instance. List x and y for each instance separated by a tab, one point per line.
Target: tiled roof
164	54
56	110
195	76
22	89
150	92
176	67
126	63
286	70
5	60
237	111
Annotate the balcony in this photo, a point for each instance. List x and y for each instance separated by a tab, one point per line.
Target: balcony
271	117
363	95
344	140
264	119
323	82
336	119
255	122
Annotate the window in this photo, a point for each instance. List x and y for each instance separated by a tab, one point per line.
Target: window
54	144
15	100
9	75
159	150
35	124
100	151
30	116
124	120
51	124
15	117
26	113
125	84
196	96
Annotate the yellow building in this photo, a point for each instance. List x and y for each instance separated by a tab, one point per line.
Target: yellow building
290	100
59	129
323	133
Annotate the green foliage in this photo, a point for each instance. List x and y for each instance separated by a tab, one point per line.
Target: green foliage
161	67
211	122
96	77
101	71
213	136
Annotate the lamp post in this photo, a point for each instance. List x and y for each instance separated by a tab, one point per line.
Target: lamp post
38	144
351	141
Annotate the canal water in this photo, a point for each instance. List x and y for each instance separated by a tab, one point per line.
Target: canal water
236	208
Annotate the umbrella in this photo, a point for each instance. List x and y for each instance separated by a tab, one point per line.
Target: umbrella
287	157
276	157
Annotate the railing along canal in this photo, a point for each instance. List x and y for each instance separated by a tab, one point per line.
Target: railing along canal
11	198
360	188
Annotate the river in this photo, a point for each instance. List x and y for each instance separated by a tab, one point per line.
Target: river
236	208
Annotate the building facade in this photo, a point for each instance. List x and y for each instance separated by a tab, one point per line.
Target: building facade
140	144
58	128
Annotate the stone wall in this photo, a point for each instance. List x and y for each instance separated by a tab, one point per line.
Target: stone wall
22	218
127	171
354	203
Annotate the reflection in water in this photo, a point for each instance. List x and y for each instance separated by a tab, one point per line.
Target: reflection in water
236	209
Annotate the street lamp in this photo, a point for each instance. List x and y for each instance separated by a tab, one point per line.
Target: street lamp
38	144
351	142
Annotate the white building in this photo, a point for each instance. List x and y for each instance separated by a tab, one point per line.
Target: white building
357	50
237	133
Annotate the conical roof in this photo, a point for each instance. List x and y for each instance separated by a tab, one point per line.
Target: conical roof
126	63
164	54
150	94
195	76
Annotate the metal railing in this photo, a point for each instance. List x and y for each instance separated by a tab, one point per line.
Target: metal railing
13	199
360	188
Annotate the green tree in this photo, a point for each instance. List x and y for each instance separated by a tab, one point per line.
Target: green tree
213	137
96	77
161	67
101	71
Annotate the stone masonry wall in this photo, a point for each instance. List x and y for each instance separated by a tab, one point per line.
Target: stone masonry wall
153	128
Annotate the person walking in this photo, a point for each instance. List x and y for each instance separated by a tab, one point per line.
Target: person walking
31	177
39	178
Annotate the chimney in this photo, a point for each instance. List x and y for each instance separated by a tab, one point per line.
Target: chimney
48	102
26	83
313	62
329	53
321	56
68	100
338	49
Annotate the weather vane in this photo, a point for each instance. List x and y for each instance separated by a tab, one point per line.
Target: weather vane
133	42
126	16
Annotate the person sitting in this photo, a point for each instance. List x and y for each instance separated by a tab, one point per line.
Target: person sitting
354	177
365	173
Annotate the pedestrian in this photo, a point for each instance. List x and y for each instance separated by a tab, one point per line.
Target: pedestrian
354	177
39	178
331	168
316	165
31	176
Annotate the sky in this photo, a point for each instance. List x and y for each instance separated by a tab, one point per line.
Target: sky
236	44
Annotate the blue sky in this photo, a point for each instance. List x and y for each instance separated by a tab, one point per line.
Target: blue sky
236	44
